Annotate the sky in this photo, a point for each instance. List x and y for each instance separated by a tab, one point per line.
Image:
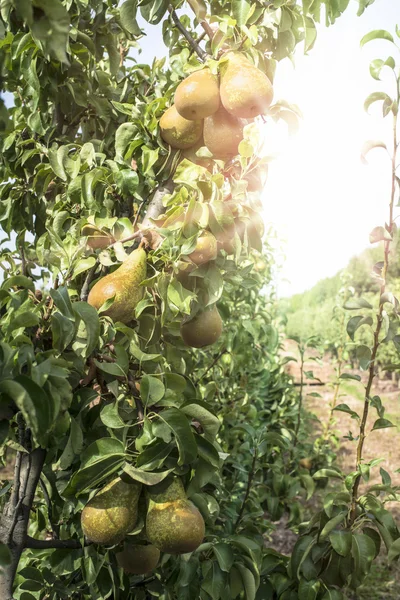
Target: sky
320	198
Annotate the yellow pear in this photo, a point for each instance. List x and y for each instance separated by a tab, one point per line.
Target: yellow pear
246	91
223	133
205	250
112	512
197	96
204	329
138	559
178	132
173	523
123	285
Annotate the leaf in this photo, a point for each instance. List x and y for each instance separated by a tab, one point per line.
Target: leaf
308	590
376	97
355	323
62	301
199	8
394	550
201	412
145	477
110	368
224	555
18	281
382	424
356	303
214	581
154	11
327	473
368	146
300	551
38	409
178	423
363	354
341	542
151	390
248	580
379	234
363	552
350	376
332	523
74	446
128	17
377	34
88	314
346	409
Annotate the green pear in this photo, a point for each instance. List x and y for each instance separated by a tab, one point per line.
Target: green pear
223	133
173	524
246	92
178	132
123	285
112	512
138	559
204	329
205	250
197	96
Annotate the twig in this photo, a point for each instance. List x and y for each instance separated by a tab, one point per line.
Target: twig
199	39
135	393
46	544
54	529
88	280
296	432
248	488
23	261
202	54
214	362
138	213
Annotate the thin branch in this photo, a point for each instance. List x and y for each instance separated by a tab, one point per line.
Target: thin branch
214	362
47	544
89	278
296	432
248	488
55	529
202	54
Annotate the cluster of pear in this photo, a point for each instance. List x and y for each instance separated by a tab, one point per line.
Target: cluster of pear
215	110
172	522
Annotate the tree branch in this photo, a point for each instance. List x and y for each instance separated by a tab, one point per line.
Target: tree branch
202	54
48	544
89	278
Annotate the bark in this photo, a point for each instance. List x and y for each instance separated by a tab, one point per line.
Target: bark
15	519
155	206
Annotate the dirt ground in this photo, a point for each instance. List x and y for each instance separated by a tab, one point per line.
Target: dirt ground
384	581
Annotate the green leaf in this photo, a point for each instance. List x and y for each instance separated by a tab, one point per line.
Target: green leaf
154	11
39	410
327	473
18	281
363	552
199	8
110	368
178	423
377	34
151	390
25	319
346	409
376	97
355	303
74	446
382	424
308	590
300	551
363	354
88	314
200	411
350	376
224	555
145	477
214	581
332	523
394	550
355	323
248	580
341	542
62	301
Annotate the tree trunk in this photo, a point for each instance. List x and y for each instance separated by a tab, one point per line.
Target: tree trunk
15	519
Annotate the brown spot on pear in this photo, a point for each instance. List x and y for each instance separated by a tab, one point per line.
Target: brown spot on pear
204	329
123	285
173	523
137	559
223	133
246	91
112	512
178	132
197	96
205	250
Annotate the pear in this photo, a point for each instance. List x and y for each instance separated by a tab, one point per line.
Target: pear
178	132
246	91
137	559
197	96
123	285
205	250
112	512
204	329
223	133
96	238
173	524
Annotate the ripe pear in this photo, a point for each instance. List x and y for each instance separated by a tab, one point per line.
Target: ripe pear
223	133
137	559
205	250
197	96
112	512
246	91
96	238
204	329
178	132
123	285
173	524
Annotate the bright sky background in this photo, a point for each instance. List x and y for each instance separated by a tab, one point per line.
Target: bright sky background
320	198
